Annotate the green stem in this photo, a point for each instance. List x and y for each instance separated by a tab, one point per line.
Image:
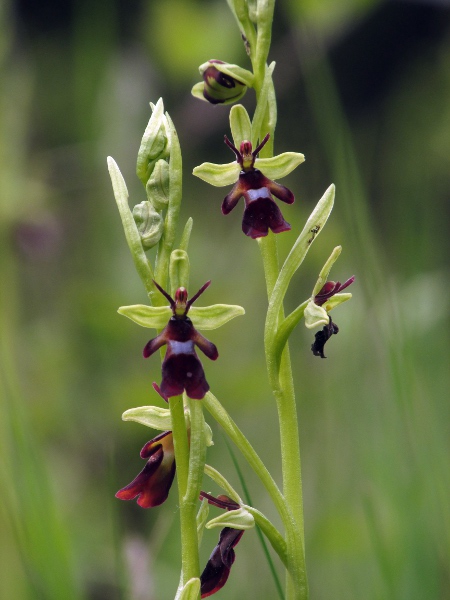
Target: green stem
295	554
188	524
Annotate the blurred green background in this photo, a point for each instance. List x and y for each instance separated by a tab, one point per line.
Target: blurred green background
364	92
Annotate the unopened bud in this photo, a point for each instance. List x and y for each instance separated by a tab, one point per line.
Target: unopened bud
157	187
149	224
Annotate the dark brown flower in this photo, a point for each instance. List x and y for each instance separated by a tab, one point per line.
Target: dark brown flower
261	212
218	567
153	483
181	367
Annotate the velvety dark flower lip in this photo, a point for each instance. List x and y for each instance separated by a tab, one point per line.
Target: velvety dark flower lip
261	213
152	485
181	367
322	337
218	567
330	289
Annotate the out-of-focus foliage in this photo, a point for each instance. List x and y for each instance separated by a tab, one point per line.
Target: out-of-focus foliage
364	92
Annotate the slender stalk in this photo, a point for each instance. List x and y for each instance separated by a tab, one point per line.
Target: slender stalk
188	524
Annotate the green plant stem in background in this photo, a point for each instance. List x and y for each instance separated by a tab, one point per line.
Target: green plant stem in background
188	524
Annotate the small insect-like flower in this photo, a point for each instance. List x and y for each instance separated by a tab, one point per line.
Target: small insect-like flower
320	299
261	212
218	567
153	483
181	367
223	83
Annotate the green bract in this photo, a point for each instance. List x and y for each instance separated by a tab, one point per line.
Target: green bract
237	519
203	317
190	591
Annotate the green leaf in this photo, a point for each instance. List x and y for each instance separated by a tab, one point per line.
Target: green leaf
218	175
150	416
214	316
279	166
237	519
208	435
241	126
191	590
155	317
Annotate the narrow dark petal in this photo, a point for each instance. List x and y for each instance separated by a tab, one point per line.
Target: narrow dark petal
280	191
199	293
221	501
207	347
231	199
261	146
155	344
165	294
321	338
219	564
331	288
234	149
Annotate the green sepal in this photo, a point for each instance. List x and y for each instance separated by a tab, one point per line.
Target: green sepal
197	91
203	317
315	315
237	519
179	270
202	517
190	591
336	300
234	71
149	223
218	478
325	271
214	316
155	317
218	175
240	124
153	145
280	165
150	416
157	187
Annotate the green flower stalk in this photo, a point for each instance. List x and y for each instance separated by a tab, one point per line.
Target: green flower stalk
180	450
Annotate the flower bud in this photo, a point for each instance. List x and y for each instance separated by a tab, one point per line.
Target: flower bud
157	187
223	83
149	224
154	144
